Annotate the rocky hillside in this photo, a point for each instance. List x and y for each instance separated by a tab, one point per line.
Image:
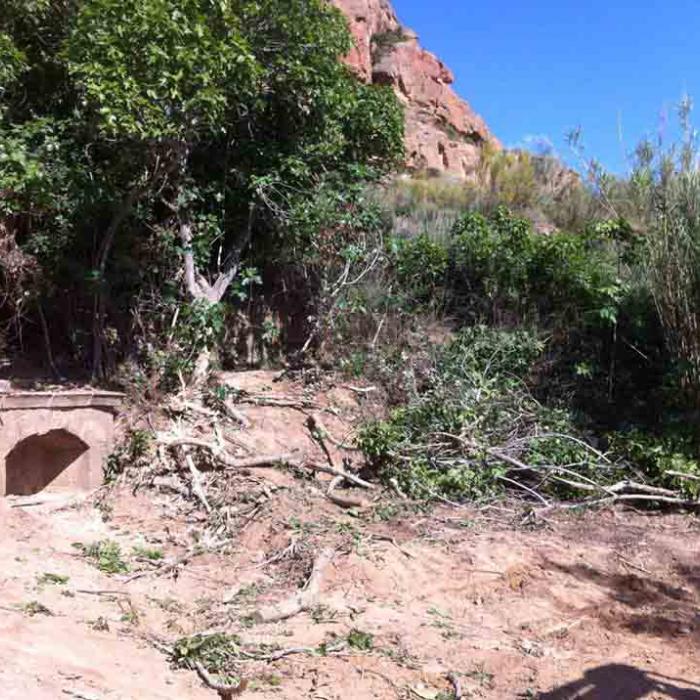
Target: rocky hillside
443	133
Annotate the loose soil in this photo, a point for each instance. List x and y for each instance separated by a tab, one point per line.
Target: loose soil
595	605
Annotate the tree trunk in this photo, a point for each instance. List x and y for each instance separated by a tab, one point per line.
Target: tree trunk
201	289
100	299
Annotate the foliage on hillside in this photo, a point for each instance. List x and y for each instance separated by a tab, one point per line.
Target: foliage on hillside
147	147
559	350
176	177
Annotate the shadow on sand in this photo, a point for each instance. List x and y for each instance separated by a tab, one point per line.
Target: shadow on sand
620	682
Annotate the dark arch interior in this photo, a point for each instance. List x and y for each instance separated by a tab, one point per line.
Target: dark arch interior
37	460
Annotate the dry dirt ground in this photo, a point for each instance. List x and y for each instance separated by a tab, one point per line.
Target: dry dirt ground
600	605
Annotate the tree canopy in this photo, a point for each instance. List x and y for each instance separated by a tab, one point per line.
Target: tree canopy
144	144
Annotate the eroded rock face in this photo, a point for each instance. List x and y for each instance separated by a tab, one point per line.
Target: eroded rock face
443	133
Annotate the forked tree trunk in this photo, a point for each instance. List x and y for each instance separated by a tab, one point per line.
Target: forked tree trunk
201	289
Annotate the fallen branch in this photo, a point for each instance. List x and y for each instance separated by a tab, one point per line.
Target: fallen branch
276	656
681	475
317	427
397	489
290	461
170	484
260	461
344	501
226	692
197	486
361	389
527	489
633	486
278	401
685	503
318	436
237	415
226	459
356	480
302	600
571	438
452	677
264	460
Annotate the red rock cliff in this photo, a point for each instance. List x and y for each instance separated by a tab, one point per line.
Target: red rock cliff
443	133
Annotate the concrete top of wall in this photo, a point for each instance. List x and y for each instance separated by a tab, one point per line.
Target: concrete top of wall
71	399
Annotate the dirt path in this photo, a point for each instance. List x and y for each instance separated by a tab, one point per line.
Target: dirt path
600	606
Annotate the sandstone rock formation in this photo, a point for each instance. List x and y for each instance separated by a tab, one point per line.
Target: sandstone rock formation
443	133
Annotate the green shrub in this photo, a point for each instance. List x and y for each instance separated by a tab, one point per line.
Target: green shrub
502	269
132	452
669	460
217	652
420	265
445	441
106	555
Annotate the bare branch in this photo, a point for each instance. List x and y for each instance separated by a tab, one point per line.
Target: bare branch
274	460
226	692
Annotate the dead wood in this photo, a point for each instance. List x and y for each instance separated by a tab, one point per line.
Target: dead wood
279	402
264	460
361	389
170	484
344	501
457	687
681	475
302	600
316	425
317	433
226	692
197	486
226	459
261	461
236	415
356	480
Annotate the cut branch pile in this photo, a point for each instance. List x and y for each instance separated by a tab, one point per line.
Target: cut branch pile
595	480
205	440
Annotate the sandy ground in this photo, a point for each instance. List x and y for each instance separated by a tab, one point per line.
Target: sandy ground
606	602
601	605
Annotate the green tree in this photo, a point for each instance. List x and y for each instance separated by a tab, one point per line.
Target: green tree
203	119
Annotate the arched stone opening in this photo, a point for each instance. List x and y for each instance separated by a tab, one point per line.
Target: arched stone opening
36	461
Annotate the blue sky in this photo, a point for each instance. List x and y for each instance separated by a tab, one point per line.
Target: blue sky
539	68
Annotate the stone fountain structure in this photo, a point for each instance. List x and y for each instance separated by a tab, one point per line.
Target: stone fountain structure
54	441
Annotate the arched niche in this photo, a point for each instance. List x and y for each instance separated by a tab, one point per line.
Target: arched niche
36	461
